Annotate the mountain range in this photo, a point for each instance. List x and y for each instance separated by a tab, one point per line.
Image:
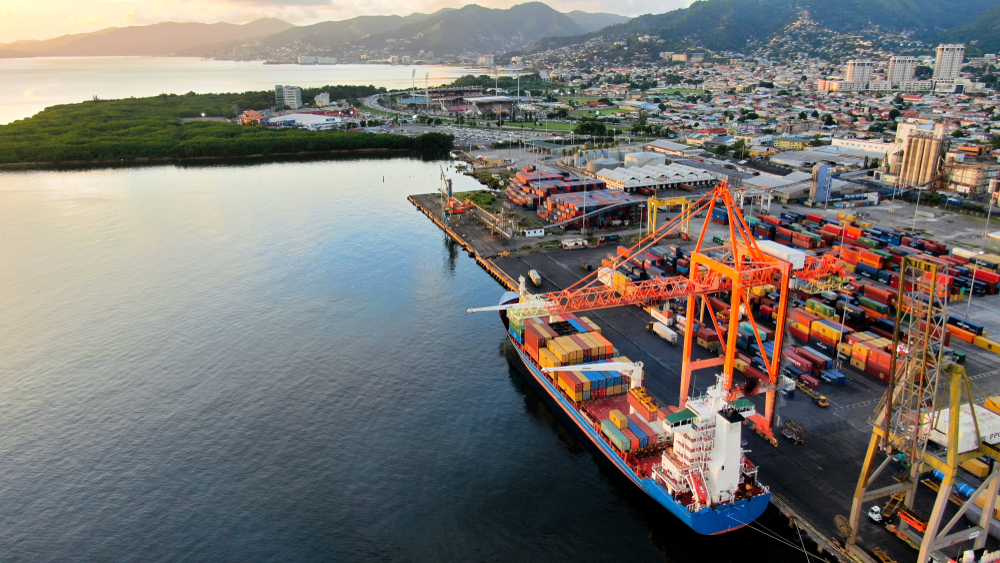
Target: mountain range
470	28
718	25
732	24
167	38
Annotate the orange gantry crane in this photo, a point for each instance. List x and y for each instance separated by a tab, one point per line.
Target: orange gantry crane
737	268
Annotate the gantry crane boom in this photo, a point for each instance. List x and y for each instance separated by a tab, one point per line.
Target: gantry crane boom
736	268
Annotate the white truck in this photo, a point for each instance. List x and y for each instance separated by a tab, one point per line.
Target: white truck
535	278
663	332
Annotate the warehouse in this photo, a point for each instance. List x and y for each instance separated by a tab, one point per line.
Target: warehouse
307	121
658	177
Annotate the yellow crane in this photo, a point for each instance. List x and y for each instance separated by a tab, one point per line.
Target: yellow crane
682	202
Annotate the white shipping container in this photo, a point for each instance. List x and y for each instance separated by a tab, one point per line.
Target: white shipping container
961	252
786	253
604	276
989	428
665	333
661	316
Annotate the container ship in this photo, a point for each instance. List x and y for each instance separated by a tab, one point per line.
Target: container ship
689	460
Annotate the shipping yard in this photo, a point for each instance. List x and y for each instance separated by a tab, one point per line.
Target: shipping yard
837	343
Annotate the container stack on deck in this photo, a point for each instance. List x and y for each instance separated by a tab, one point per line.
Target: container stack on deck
566	340
532	188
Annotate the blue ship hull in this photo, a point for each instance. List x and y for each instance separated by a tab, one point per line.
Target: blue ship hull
707	521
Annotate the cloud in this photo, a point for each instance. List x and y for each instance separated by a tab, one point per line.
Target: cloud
131	15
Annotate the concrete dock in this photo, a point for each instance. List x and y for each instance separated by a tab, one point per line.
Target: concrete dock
812	483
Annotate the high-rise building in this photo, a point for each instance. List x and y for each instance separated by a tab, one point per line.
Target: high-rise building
901	69
485	60
290	96
949	61
859	72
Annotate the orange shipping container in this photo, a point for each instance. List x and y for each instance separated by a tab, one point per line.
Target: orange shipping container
962	334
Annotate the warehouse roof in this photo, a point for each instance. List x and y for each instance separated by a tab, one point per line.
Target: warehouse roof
655	174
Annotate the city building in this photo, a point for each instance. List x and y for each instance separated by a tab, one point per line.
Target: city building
877	147
696	57
326	60
679	57
949	61
791	143
901	69
667	55
859	72
322	99
485	60
290	96
669	147
307	60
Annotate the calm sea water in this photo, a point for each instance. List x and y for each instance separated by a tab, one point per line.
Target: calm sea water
28	86
273	362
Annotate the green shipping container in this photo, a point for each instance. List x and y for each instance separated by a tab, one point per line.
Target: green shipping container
867	242
873	305
615	435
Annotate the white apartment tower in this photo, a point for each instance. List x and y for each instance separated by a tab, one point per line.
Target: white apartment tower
859	72
949	61
901	69
290	96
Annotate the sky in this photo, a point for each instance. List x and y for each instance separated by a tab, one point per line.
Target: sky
45	19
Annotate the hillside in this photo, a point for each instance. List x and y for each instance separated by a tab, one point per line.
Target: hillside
11	54
325	35
730	24
593	22
478	29
166	38
984	30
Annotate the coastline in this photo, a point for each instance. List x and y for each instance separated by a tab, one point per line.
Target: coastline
259	158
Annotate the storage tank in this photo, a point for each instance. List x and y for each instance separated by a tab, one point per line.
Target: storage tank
603	163
644	159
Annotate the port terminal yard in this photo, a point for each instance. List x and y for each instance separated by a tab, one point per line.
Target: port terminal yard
812	482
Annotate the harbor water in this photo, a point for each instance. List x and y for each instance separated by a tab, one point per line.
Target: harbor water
273	362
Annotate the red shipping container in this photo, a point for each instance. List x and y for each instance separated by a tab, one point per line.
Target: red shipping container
817	362
801	336
982	274
810	382
814	218
799	362
756	374
833	229
877	371
766	310
631	438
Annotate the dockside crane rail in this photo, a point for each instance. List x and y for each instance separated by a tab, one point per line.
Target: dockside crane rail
736	268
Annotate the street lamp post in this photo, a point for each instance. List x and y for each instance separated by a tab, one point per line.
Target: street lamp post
989	213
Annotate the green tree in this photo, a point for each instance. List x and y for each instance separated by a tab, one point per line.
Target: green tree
722	149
